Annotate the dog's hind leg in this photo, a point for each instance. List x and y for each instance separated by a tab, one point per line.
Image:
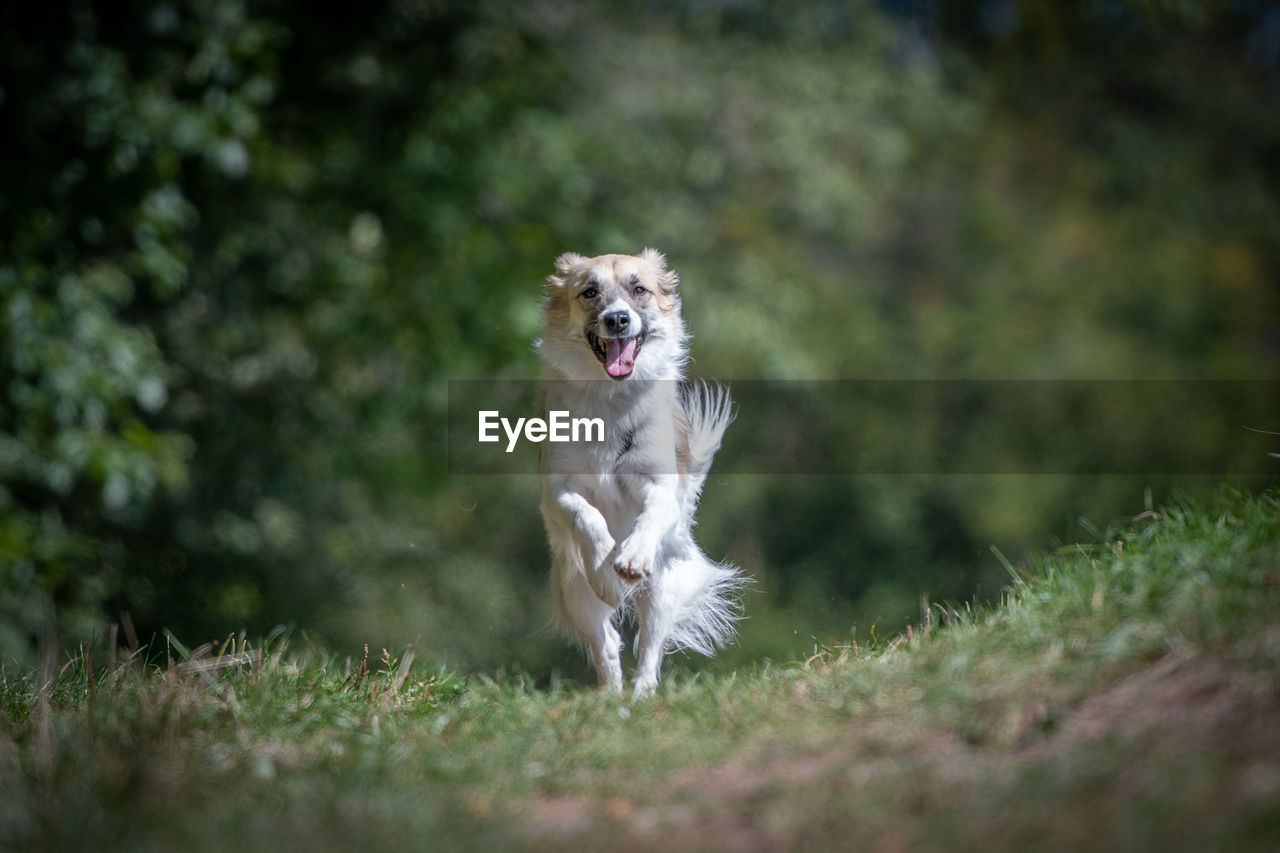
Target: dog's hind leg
649	646
591	620
656	606
691	603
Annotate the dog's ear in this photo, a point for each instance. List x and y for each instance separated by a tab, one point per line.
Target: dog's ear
667	279
567	262
565	265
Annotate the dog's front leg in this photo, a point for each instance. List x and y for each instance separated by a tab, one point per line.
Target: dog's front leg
660	510
586	598
590	533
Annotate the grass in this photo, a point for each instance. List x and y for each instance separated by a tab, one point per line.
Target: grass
1122	695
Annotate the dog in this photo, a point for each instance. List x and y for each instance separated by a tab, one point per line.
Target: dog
619	512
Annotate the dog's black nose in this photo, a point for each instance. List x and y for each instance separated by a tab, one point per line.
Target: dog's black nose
616	322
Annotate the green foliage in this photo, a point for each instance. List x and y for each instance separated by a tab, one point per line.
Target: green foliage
102	145
243	248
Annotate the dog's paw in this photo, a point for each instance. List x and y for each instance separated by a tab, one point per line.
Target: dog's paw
634	562
633	571
643	689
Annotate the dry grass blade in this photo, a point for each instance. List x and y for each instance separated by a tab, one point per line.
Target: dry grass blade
212	664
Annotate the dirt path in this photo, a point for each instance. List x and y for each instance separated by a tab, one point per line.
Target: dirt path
1187	739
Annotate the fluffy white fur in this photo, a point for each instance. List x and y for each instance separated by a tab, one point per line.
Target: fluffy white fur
619	514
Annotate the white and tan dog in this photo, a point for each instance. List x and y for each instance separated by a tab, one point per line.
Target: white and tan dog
619	513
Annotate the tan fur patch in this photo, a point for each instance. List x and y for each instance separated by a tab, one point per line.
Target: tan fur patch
682	443
653	271
555	308
664	280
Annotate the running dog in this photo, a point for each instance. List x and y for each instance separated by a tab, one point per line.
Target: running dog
619	512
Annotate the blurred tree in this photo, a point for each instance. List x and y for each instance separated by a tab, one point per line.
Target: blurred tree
243	247
105	120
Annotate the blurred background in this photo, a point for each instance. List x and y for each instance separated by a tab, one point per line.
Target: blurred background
244	246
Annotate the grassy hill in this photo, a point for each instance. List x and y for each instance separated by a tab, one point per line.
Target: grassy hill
1122	696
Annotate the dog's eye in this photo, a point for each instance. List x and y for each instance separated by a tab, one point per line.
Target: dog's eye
589	293
639	290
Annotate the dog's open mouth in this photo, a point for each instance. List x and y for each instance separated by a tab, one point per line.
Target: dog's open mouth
618	355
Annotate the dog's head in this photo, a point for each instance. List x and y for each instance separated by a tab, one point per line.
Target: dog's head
615	316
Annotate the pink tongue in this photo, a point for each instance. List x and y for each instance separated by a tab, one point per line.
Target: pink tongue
619	356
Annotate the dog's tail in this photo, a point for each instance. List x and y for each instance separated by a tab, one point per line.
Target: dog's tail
710	411
704	600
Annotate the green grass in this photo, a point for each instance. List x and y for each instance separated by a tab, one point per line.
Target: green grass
1122	696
